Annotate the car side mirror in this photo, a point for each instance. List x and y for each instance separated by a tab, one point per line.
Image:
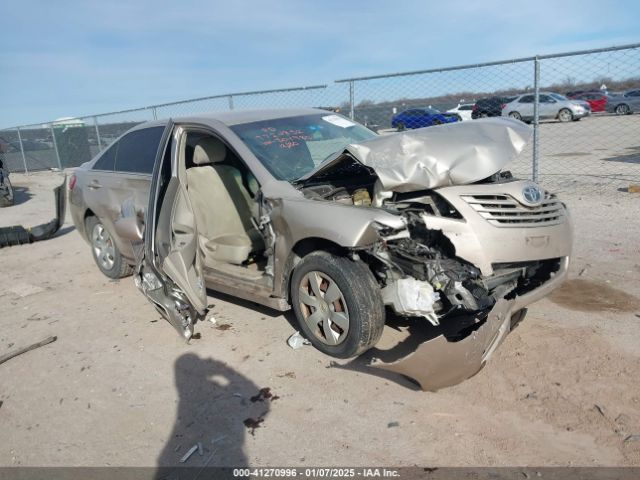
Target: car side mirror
129	228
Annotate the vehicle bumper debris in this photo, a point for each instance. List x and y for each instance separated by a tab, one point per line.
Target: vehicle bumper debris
19	235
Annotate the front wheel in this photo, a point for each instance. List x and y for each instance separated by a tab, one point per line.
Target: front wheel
565	115
337	304
400	126
105	252
622	109
515	115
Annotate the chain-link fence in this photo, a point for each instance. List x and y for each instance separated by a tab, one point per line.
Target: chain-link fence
581	106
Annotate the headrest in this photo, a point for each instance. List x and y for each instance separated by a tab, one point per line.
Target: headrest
209	150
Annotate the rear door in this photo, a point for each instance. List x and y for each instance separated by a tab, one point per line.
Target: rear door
169	271
123	172
524	106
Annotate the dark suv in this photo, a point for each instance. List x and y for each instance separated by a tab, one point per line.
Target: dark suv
489	107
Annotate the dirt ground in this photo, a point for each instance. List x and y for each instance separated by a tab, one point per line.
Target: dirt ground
119	387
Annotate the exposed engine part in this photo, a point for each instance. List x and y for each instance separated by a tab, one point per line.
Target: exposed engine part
411	297
361	197
428	257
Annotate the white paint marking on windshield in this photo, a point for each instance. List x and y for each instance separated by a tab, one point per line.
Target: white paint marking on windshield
338	121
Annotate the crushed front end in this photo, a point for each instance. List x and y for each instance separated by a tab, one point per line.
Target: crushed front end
474	246
469	261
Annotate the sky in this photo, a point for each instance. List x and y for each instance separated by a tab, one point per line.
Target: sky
74	58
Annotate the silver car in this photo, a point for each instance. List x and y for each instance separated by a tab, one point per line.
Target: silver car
308	210
551	106
625	103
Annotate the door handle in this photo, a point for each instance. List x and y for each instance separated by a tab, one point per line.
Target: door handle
94	184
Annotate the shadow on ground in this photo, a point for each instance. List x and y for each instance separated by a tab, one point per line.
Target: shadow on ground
21	195
218	407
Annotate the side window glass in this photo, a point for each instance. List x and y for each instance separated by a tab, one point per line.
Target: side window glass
526	99
108	159
137	150
545	99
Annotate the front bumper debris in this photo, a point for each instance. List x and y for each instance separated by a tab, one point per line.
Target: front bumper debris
439	363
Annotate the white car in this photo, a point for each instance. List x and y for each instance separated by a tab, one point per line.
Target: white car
551	105
463	110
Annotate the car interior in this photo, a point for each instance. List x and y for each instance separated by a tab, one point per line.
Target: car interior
222	192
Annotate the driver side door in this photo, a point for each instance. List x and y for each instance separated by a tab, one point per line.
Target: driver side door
169	267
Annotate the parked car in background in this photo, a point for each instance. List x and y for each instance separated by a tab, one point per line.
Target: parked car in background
624	103
551	105
596	100
463	110
422	117
489	107
308	210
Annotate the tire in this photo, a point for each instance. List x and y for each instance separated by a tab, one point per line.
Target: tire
357	297
104	251
565	115
622	109
400	127
436	122
515	115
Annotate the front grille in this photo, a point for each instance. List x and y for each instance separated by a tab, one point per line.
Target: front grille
506	211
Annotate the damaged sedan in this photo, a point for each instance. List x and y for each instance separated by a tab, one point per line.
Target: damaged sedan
308	210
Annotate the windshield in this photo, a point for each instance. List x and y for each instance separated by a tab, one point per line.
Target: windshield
291	147
557	96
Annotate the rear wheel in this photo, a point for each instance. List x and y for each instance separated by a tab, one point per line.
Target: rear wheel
104	250
337	303
565	115
622	109
516	115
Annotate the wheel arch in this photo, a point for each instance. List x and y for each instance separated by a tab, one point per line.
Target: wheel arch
87	213
301	249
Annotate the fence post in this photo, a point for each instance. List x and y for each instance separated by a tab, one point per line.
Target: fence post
351	99
55	146
95	124
24	158
536	118
230	99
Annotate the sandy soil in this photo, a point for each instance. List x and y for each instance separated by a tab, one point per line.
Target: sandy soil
119	387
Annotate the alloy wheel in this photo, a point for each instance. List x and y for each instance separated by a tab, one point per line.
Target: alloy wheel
324	308
103	247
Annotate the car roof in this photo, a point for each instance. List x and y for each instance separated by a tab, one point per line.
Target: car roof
237	117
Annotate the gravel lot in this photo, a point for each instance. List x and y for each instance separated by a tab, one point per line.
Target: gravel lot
119	387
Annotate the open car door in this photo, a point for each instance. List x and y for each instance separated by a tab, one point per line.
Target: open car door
168	265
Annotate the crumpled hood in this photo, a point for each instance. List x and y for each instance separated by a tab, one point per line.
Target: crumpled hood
454	154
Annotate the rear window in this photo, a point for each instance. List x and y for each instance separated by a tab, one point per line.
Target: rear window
137	150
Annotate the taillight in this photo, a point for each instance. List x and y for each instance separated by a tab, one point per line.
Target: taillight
72	182
502	106
475	108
